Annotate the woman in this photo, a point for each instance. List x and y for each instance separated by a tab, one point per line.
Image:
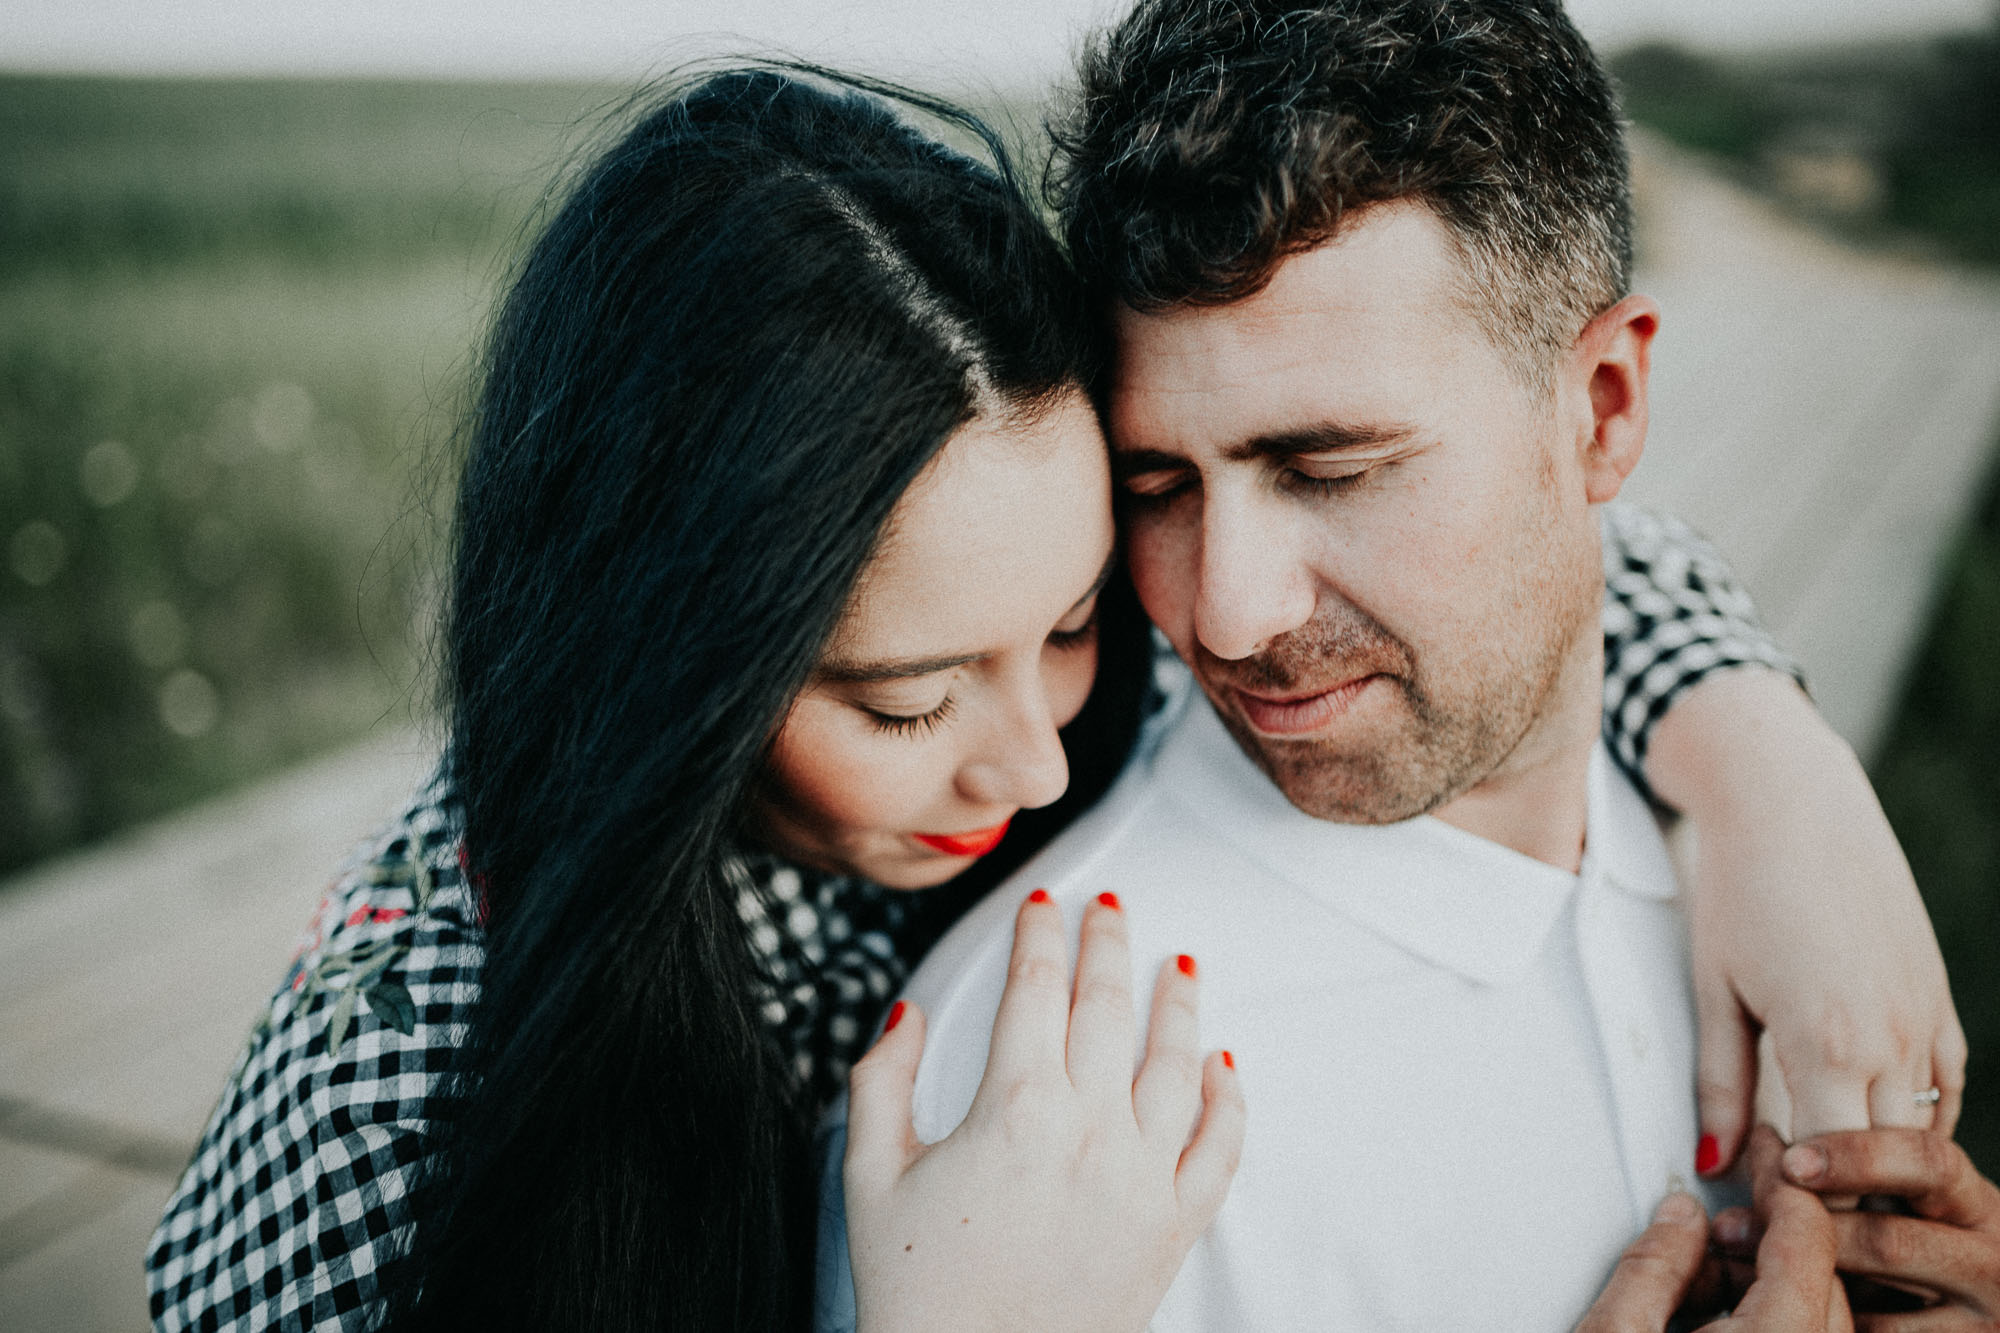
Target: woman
554	1050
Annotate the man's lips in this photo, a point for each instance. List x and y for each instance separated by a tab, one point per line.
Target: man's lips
1298	714
976	843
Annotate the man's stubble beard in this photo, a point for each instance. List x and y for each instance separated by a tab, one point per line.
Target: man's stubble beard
1453	721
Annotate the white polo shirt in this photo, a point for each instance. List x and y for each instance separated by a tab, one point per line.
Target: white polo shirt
1470	1074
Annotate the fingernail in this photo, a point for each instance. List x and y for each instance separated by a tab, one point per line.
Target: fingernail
1677	1208
1229	1059
1039	896
1732	1227
1707	1155
895	1016
1186	964
1110	900
1805	1163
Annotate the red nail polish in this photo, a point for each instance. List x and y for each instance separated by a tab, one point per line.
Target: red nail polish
895	1016
1229	1059
1186	965
1110	900
1707	1155
1039	896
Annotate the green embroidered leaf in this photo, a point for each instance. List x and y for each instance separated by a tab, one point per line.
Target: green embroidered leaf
336	1027
390	1001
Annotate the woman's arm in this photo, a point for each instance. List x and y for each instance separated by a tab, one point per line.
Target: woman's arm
1805	919
1073	1190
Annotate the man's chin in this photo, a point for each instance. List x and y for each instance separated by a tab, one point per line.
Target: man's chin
1363	765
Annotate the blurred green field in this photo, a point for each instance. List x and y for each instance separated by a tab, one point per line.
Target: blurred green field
235	319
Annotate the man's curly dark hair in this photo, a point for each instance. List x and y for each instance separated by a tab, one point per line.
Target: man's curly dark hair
1208	140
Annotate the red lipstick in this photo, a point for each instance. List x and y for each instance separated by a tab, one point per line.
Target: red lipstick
976	843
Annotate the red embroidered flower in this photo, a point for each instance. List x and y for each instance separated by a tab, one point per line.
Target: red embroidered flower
359	915
390	914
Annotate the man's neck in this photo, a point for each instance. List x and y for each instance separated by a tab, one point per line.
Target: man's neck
1538	800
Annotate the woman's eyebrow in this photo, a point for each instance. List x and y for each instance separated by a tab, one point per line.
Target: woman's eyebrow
839	672
1103	577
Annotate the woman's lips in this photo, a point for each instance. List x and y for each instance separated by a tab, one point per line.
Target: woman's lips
976	843
1302	713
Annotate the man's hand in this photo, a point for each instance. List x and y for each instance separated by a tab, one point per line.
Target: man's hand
1668	1269
1950	1249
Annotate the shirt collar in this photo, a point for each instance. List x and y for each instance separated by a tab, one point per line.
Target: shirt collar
1452	898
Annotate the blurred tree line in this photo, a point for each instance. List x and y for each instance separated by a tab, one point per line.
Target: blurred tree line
1896	145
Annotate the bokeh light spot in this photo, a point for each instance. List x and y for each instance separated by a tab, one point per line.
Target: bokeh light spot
189	704
158	635
38	553
110	473
281	416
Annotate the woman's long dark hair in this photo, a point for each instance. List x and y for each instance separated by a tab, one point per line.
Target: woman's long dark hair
753	322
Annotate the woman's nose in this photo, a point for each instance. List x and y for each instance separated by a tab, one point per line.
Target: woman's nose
1021	763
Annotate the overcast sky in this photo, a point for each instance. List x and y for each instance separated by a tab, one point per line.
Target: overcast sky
1004	43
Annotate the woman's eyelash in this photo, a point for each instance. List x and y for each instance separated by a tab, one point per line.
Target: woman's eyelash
1075	638
921	724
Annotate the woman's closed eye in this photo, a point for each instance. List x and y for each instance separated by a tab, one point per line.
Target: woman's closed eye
1080	635
911	724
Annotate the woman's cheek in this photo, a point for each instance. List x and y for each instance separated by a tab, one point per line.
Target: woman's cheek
841	774
1067	675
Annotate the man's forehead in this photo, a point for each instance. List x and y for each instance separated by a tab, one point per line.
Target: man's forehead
1353	324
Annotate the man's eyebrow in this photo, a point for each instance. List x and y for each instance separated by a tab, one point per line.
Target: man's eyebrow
1320	438
1135	462
860	673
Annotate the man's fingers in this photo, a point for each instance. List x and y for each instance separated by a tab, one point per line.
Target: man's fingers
1911	1251
1654	1273
1941	1319
1030	1029
1795	1290
1167	1094
881	1140
1101	1029
1925	1167
1208	1163
1725	1076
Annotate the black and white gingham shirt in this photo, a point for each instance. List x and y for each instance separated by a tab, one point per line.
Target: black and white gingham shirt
297	1193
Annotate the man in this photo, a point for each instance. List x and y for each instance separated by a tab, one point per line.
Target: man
1361	453
1377	365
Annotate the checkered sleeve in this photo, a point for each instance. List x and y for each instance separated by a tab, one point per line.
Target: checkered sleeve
297	1197
1673	615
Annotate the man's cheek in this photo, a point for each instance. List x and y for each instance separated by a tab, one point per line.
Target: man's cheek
1164	572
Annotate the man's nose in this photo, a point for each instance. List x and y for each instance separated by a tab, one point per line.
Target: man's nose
1253	584
1021	762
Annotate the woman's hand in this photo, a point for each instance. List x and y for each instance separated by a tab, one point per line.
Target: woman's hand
1805	922
1669	1269
1073	1190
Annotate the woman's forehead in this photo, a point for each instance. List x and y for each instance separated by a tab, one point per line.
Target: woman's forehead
998	538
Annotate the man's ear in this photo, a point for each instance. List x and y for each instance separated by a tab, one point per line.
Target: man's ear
1610	362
